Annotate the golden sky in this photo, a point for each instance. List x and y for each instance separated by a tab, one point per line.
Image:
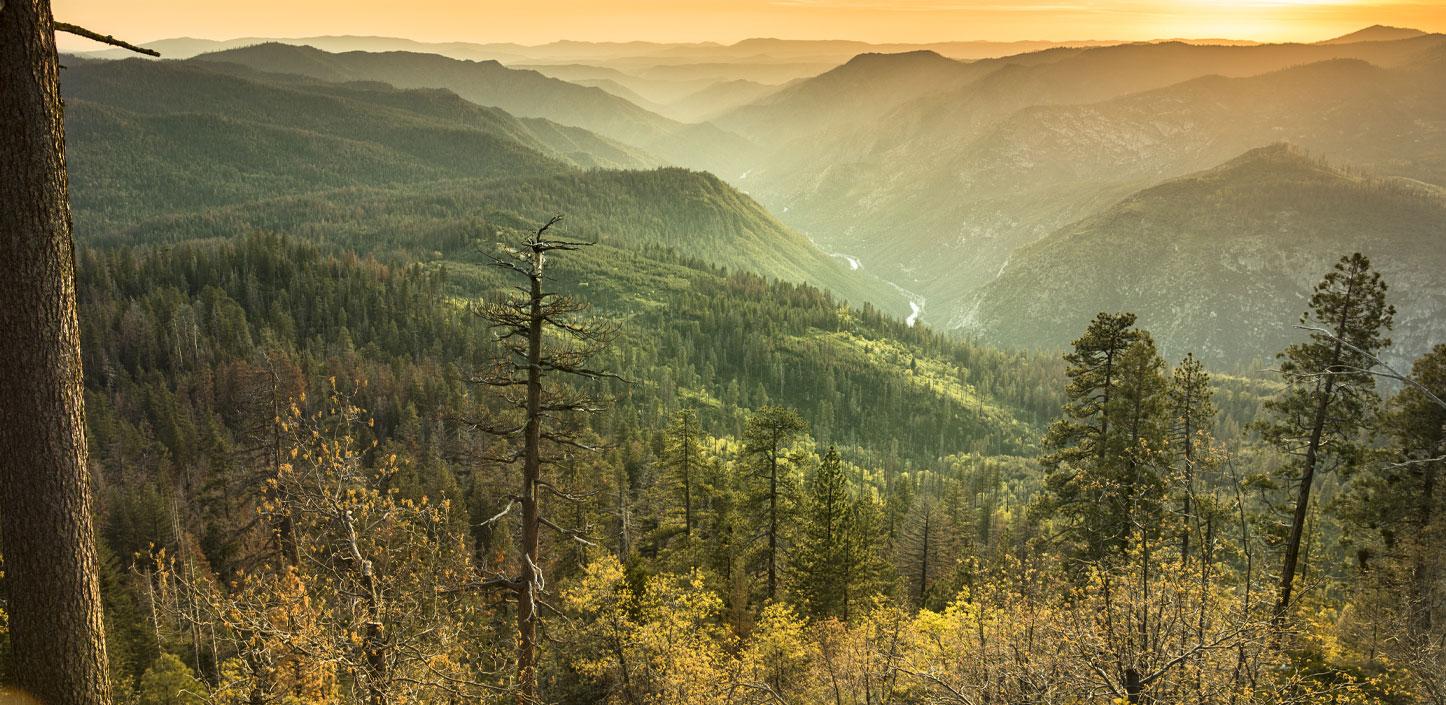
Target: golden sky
538	21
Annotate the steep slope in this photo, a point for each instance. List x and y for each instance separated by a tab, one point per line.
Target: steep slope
177	150
1222	262
521	93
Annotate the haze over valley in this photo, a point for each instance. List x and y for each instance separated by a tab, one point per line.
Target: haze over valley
926	169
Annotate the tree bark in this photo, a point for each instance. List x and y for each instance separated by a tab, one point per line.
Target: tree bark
56	622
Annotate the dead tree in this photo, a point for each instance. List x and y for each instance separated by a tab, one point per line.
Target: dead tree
56	623
542	343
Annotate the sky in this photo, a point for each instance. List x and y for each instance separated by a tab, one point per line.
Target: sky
540	21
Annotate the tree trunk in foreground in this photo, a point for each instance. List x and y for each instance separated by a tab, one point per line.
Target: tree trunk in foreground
56	630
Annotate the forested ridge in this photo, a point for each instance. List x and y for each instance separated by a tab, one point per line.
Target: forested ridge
180	150
413	404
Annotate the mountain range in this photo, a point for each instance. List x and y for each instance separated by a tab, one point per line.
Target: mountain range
520	92
175	150
910	179
935	185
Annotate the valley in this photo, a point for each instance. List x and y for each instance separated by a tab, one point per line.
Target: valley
931	165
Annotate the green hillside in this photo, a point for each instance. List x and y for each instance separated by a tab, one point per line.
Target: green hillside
170	151
520	92
1221	263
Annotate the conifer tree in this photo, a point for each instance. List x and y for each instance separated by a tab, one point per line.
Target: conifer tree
1330	394
683	459
56	620
836	562
1140	405
768	440
1082	469
825	529
927	548
866	571
1192	413
1084	430
169	681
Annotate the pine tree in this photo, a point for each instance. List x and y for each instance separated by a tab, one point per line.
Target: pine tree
726	534
56	622
542	340
927	549
836	562
1330	394
1084	429
1141	407
817	580
1098	474
682	459
866	571
1192	413
768	440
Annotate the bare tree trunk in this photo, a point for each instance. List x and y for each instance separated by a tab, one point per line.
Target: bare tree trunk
56	621
531	518
1423	609
523	363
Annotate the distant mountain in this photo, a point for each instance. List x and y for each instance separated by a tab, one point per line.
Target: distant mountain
655	53
860	92
936	192
1376	33
521	93
188	47
689	99
761	69
166	151
1222	262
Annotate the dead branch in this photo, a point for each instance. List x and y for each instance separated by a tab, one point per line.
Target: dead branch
79	31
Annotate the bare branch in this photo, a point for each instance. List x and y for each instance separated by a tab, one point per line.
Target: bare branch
79	31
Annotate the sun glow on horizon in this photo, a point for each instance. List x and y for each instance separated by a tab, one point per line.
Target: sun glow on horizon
727	21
